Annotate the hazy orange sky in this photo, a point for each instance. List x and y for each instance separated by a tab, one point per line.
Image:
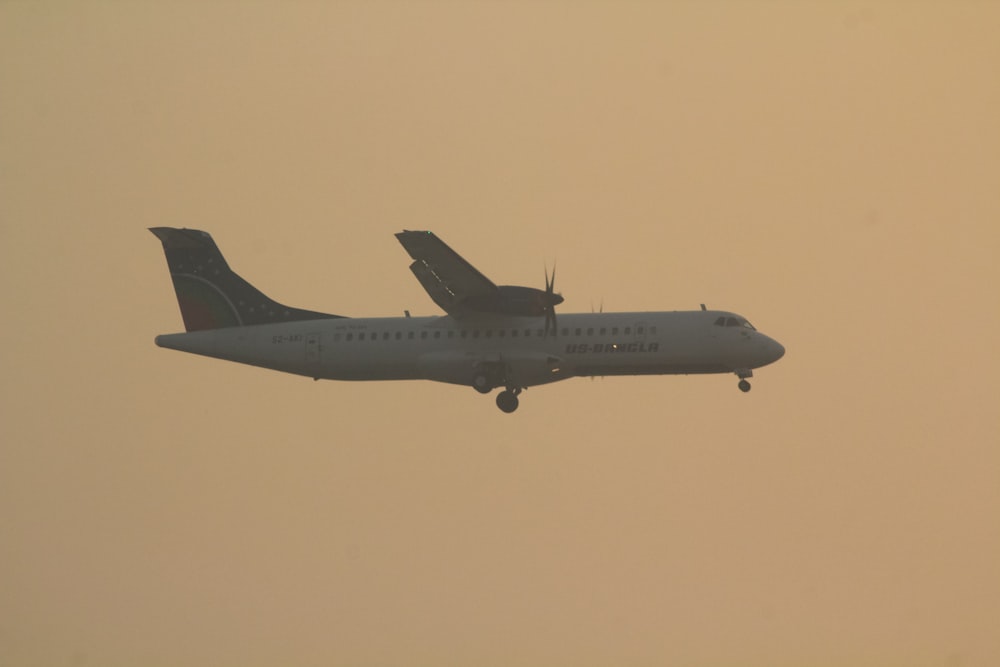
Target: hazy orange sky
830	170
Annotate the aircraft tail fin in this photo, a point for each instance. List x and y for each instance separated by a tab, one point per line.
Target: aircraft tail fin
210	294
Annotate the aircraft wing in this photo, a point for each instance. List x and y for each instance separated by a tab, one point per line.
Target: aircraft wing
448	279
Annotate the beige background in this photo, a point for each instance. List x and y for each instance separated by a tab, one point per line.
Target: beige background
831	170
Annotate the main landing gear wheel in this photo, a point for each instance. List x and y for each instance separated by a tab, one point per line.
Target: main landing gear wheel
481	383
507	400
744	386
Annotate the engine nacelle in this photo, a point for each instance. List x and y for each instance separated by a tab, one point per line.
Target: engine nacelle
514	300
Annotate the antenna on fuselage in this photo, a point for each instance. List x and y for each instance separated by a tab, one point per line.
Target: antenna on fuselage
406	312
703	307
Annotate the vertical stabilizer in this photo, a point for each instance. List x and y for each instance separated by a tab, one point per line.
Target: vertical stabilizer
210	294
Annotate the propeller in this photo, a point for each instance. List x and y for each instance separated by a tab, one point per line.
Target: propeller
550	302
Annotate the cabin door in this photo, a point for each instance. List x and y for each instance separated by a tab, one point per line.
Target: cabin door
312	350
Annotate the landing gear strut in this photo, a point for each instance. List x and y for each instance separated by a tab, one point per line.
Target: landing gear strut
489	375
507	400
743	374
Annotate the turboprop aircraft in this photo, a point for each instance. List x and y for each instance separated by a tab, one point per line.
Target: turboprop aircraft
492	336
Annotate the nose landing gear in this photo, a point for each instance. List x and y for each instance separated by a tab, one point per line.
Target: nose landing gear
743	374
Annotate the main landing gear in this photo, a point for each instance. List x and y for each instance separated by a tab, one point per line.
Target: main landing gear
743	374
507	399
490	376
481	383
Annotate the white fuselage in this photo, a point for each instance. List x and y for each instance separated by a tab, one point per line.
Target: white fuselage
446	349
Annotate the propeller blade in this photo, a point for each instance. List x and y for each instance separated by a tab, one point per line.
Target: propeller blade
550	302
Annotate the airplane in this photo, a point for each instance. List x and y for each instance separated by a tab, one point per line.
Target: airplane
492	336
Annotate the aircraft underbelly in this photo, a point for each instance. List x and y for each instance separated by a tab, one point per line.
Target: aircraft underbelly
519	367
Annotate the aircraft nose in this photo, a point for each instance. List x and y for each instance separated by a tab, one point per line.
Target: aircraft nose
769	350
775	350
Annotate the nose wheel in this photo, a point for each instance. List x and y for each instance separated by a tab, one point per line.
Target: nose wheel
507	400
743	374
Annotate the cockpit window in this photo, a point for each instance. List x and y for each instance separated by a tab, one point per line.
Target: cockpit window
733	322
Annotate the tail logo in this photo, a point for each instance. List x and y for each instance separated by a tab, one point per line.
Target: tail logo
210	294
203	305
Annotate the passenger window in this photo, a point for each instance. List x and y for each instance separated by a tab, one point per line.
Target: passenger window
451	333
350	336
578	331
590	331
465	333
475	333
513	333
385	336
540	332
423	335
489	333
336	338
527	333
502	333
361	336
399	334
628	330
614	331
410	335
437	334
